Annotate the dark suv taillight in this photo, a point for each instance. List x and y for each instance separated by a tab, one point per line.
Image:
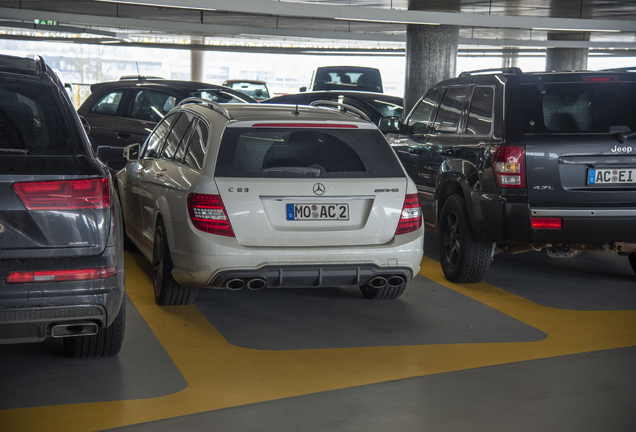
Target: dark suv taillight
208	214
64	194
411	217
508	164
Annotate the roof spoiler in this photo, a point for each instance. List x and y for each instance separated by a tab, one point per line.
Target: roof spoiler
510	70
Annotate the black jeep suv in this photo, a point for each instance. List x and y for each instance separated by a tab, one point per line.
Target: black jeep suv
61	241
507	161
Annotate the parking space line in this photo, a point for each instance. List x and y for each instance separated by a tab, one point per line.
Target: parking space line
221	375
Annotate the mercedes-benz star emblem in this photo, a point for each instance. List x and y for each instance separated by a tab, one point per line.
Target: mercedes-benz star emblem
319	189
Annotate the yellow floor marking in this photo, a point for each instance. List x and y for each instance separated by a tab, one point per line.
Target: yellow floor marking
222	375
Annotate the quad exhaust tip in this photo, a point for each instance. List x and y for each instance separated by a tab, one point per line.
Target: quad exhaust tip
235	284
396	281
256	284
378	282
74	329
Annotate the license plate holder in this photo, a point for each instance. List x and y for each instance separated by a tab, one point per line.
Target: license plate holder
610	176
300	212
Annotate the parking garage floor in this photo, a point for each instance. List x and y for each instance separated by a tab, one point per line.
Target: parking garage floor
542	345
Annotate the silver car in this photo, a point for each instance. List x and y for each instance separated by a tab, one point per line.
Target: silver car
269	196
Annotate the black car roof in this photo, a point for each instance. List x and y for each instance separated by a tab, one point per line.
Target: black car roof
179	85
35	68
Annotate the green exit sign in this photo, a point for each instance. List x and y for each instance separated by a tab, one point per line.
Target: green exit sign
45	22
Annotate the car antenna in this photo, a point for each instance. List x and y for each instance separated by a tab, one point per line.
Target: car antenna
295	111
138	73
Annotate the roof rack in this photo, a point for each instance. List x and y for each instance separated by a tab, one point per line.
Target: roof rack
40	64
343	108
210	104
510	70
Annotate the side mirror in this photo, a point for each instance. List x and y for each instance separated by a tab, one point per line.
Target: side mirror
390	124
302	89
131	152
87	127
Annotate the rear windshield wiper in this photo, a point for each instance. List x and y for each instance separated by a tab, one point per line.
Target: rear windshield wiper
624	136
300	171
12	150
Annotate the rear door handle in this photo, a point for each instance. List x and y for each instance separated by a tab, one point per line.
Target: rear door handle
448	152
123	135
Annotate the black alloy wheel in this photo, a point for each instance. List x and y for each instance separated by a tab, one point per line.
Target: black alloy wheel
167	291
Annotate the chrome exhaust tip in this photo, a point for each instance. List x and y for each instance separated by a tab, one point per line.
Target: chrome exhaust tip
396	281
235	284
256	284
378	282
74	329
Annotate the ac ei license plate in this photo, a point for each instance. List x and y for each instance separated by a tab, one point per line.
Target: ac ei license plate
611	176
317	212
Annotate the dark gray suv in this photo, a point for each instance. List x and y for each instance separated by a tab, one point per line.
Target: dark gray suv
506	161
61	243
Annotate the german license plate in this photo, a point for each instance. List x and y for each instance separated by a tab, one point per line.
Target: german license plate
611	176
317	212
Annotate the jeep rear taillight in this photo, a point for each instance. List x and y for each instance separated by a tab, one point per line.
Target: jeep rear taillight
411	217
64	194
508	166
208	214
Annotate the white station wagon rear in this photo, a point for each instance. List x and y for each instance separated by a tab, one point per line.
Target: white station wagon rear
270	196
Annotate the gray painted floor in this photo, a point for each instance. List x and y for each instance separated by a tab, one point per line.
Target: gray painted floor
38	374
592	392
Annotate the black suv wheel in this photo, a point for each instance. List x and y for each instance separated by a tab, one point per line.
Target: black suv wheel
464	259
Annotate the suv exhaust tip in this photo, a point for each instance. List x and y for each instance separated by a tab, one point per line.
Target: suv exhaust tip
74	329
234	284
256	284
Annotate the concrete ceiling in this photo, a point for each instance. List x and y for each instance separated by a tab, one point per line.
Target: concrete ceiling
325	24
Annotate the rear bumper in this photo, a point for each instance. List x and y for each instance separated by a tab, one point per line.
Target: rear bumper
307	276
509	221
28	310
204	260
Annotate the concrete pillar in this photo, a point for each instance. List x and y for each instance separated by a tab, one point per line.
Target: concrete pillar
431	56
559	59
197	61
509	57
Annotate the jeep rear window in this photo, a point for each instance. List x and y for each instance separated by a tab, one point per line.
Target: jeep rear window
33	121
578	107
302	153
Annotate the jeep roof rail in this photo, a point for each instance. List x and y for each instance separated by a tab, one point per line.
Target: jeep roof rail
510	70
208	103
342	108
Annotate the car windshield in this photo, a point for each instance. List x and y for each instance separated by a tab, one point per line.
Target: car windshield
254	90
220	96
301	153
386	108
579	107
32	119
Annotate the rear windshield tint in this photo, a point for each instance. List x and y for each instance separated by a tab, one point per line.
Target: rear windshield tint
32	119
302	153
579	107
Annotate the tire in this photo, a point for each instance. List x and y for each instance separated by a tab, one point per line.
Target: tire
167	291
387	292
464	259
107	341
632	260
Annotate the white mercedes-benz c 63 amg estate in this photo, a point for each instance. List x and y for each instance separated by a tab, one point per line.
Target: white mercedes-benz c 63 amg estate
270	196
